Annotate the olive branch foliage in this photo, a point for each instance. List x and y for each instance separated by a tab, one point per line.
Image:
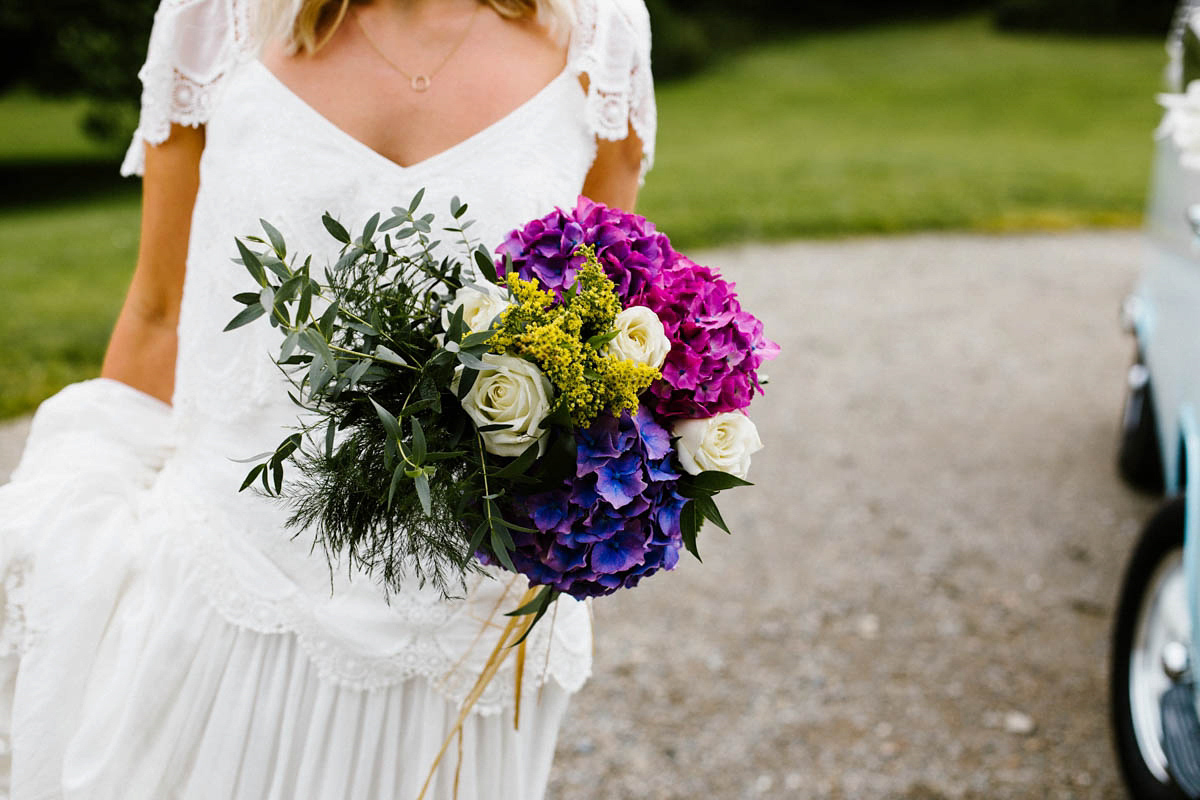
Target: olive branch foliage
392	473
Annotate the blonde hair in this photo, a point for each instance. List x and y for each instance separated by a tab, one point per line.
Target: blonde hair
306	25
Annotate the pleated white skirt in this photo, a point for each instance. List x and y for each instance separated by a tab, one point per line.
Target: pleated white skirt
120	680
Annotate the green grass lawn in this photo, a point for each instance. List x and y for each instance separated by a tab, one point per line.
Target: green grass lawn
914	127
947	125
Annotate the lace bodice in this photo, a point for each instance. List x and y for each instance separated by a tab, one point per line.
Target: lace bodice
270	155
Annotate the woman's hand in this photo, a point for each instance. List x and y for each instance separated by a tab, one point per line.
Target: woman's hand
142	350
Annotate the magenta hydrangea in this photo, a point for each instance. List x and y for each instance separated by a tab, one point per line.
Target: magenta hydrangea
716	347
612	524
629	247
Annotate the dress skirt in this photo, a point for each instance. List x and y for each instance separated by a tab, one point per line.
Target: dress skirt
122	680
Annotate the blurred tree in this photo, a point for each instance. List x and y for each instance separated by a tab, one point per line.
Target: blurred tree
1088	16
88	47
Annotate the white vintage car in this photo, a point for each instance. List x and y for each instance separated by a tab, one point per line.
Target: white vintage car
1153	687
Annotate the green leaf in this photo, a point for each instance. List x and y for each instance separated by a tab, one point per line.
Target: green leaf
329	318
476	339
390	424
477	539
422	484
246	298
317	345
245	316
335	228
500	552
418	442
252	263
689	526
278	267
266	298
541	604
330	432
397	476
416	201
470	361
305	307
538	603
487	267
370	228
455	329
277	475
355	373
707	508
716	481
390	356
277	243
466	381
598	341
254	473
288	348
520	464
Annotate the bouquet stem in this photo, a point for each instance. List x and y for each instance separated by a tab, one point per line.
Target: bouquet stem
514	631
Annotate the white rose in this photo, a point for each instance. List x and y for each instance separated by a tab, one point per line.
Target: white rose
480	302
640	337
510	392
723	443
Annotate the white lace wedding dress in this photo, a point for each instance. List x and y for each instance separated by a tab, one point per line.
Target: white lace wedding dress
167	637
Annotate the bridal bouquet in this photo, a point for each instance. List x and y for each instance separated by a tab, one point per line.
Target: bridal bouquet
570	416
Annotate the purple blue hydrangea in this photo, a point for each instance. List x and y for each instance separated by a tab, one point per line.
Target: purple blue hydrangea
627	245
716	347
615	522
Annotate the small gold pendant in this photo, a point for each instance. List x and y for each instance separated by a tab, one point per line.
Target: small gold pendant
419	83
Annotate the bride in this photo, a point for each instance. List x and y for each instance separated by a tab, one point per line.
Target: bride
164	636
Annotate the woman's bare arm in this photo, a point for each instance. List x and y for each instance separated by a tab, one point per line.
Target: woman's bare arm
141	352
614	177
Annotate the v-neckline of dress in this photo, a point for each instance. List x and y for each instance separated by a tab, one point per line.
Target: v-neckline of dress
448	153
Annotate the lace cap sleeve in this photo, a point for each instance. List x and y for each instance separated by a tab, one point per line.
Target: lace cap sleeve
611	43
194	45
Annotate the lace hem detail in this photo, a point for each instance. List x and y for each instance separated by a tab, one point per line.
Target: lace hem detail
550	656
611	44
194	46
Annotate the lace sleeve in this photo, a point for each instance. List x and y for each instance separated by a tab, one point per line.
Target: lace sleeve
194	44
611	43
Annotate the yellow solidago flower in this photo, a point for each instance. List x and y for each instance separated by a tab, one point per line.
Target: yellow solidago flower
555	335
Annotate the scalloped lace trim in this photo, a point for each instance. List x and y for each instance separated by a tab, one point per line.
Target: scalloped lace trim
616	58
422	656
214	36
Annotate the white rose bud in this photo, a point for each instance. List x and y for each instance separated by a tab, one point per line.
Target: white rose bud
480	302
640	337
723	443
511	392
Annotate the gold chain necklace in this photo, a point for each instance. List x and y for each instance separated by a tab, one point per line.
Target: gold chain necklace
422	80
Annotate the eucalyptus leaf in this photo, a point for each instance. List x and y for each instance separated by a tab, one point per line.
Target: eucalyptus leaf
252	263
245	316
277	243
418	441
335	228
390	424
422	484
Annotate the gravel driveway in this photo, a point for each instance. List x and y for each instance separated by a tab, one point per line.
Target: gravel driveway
916	600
